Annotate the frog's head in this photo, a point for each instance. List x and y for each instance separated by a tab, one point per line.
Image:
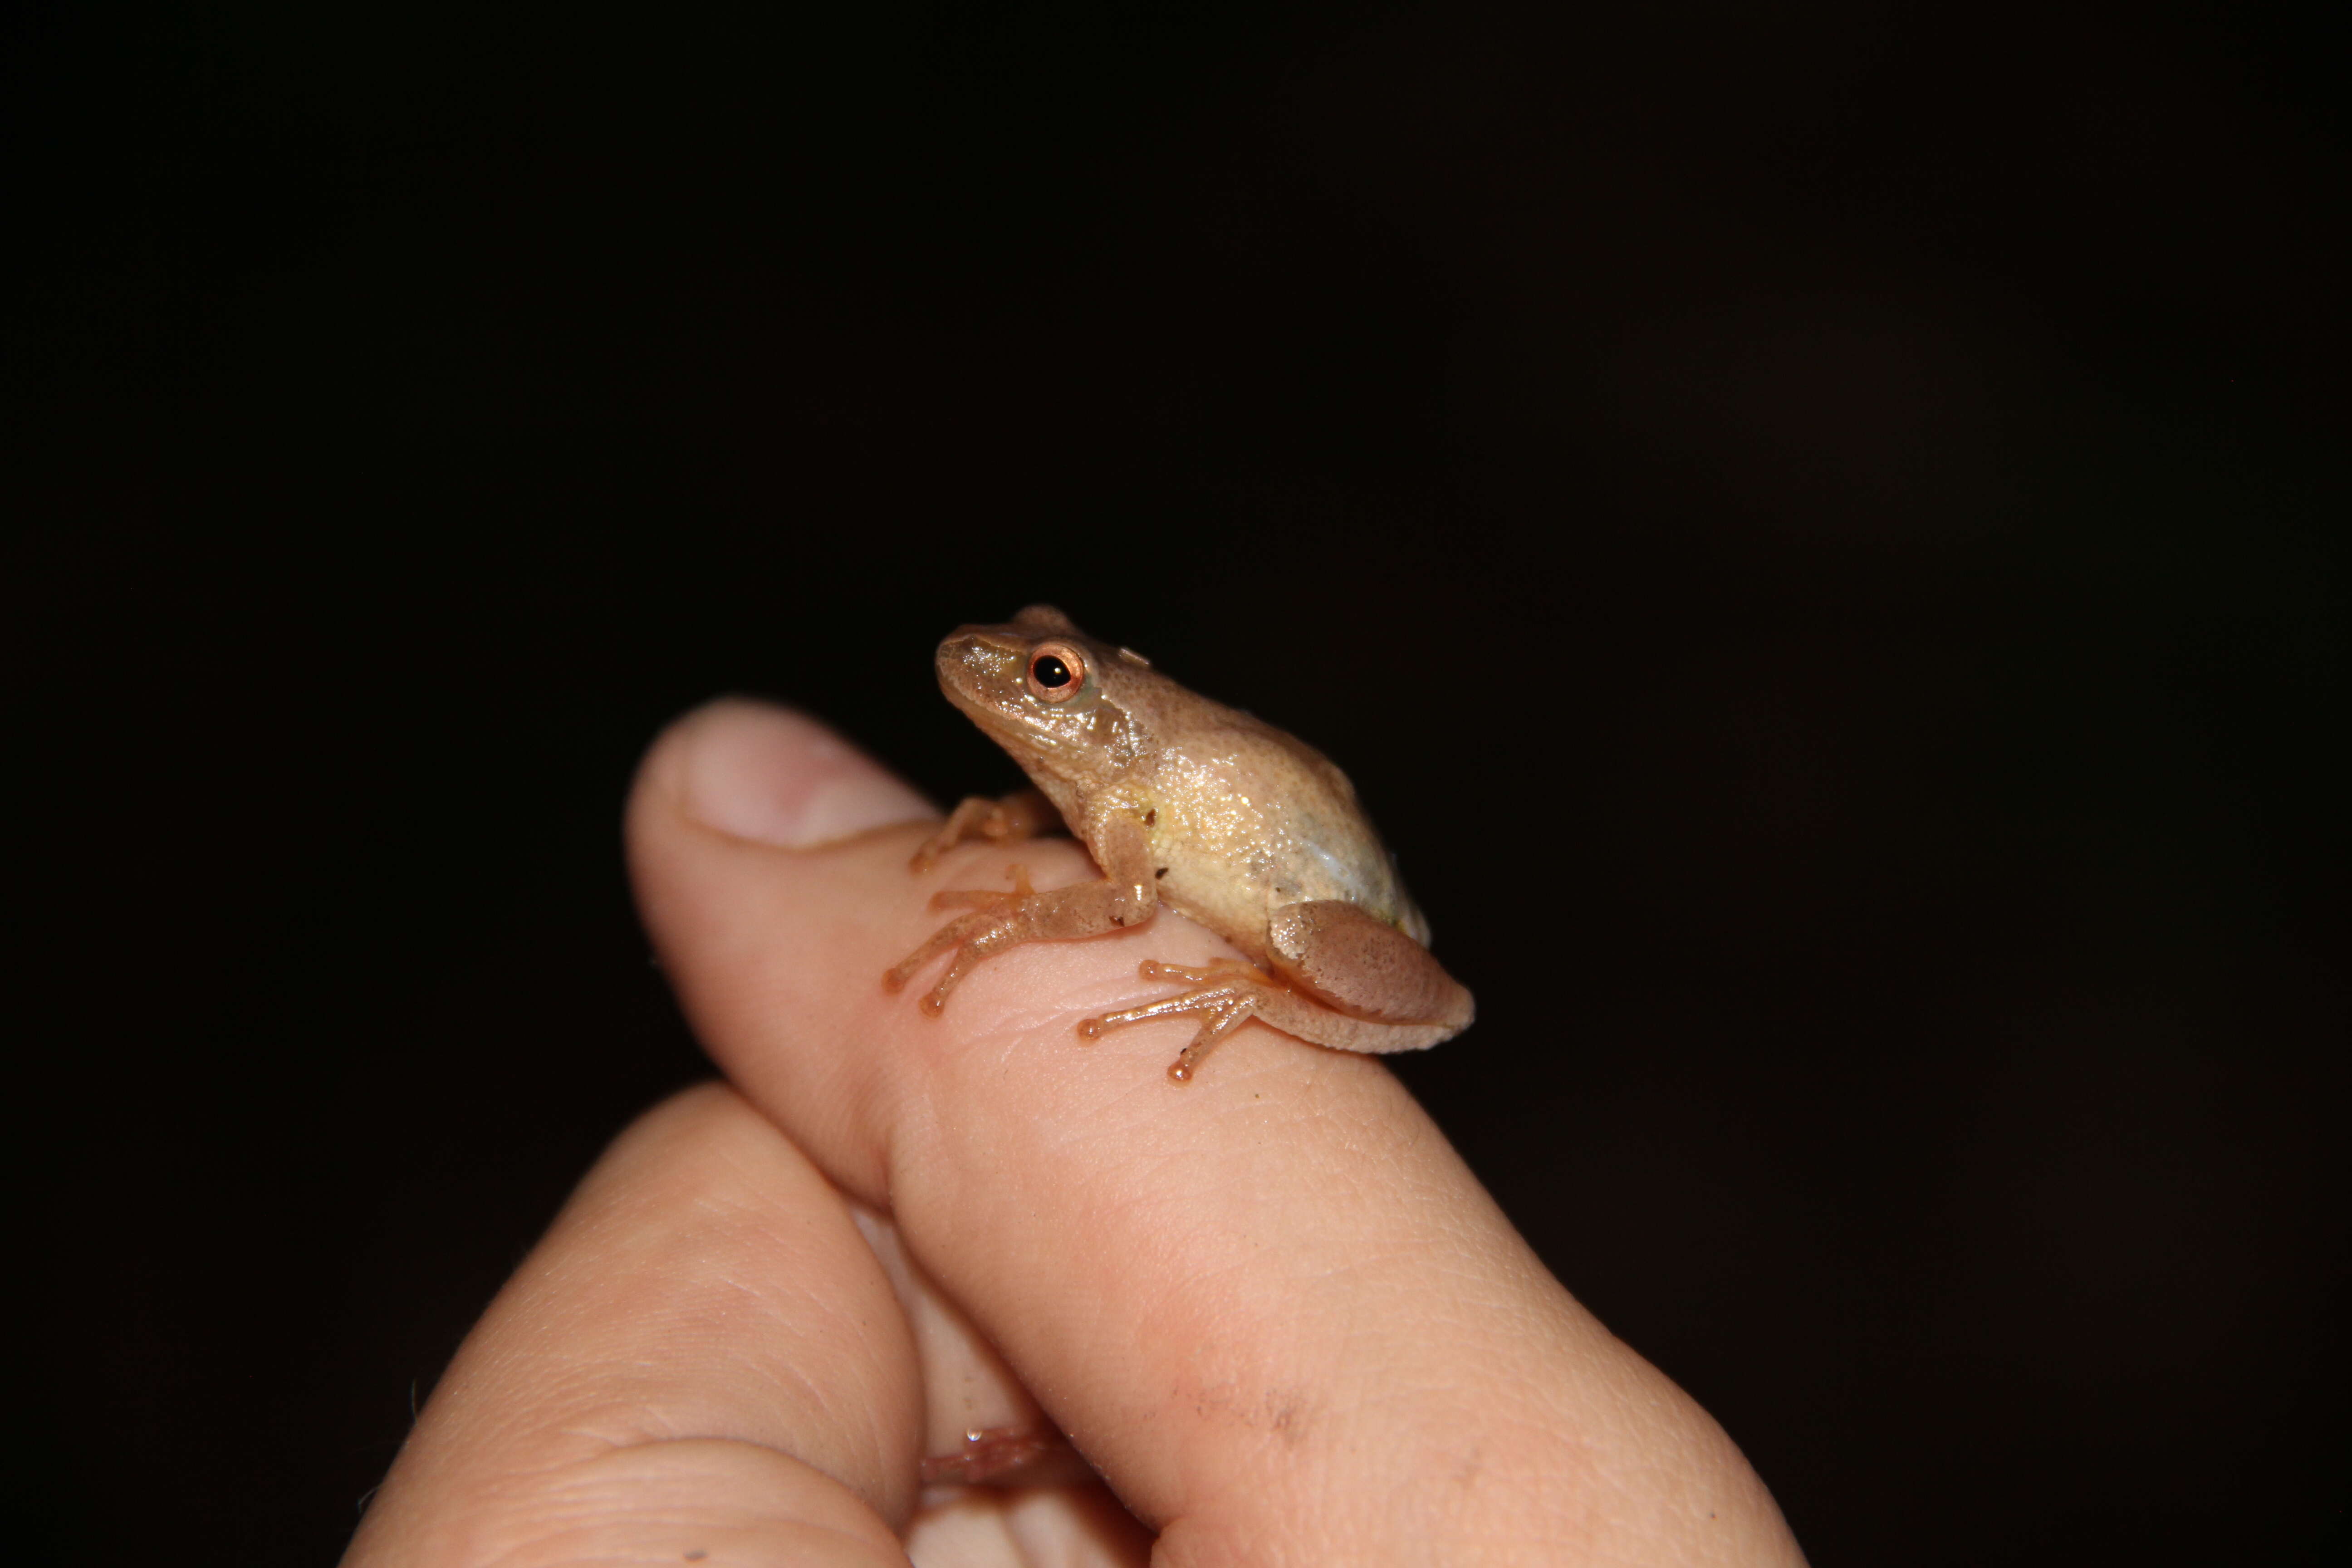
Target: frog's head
1046	691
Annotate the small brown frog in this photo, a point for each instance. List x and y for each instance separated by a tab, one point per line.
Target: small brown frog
1183	801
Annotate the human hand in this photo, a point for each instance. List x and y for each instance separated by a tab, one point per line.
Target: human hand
1272	1309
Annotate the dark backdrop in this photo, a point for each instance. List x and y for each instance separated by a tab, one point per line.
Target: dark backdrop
1816	528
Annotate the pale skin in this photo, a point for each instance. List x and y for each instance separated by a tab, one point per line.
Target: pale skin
1185	803
1276	1316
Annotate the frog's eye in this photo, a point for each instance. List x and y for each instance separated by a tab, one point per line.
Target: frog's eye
1056	670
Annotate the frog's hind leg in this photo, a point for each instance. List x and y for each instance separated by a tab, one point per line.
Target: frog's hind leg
1227	995
1369	975
1340	978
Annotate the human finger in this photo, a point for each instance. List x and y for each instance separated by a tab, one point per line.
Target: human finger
1273	1307
702	1361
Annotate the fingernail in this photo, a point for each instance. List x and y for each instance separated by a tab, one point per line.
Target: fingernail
773	776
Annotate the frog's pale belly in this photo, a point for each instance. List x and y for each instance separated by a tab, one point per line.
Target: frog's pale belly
1230	859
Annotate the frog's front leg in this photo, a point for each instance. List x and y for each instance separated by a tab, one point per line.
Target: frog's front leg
1024	814
1127	895
1341	978
1008	920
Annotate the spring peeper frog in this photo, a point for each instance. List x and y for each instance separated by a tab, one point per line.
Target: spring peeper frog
1185	801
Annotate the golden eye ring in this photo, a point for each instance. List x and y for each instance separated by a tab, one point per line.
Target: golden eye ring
1057	672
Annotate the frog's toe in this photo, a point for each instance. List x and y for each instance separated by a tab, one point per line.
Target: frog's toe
955	934
1217	972
1213	1028
985	898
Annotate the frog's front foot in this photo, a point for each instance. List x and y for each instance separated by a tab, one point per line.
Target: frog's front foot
1227	994
986	898
999	921
1024	814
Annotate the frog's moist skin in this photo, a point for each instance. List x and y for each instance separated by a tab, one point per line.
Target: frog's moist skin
1184	802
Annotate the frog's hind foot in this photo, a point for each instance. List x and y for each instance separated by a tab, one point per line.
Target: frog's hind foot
1227	994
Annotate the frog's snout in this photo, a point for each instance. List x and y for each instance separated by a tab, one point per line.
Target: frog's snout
973	662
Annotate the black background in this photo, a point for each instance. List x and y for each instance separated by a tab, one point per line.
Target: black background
1816	530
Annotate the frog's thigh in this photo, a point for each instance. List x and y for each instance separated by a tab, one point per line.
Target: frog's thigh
1297	1012
1364	967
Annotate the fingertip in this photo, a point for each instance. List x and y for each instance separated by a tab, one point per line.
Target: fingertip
764	773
